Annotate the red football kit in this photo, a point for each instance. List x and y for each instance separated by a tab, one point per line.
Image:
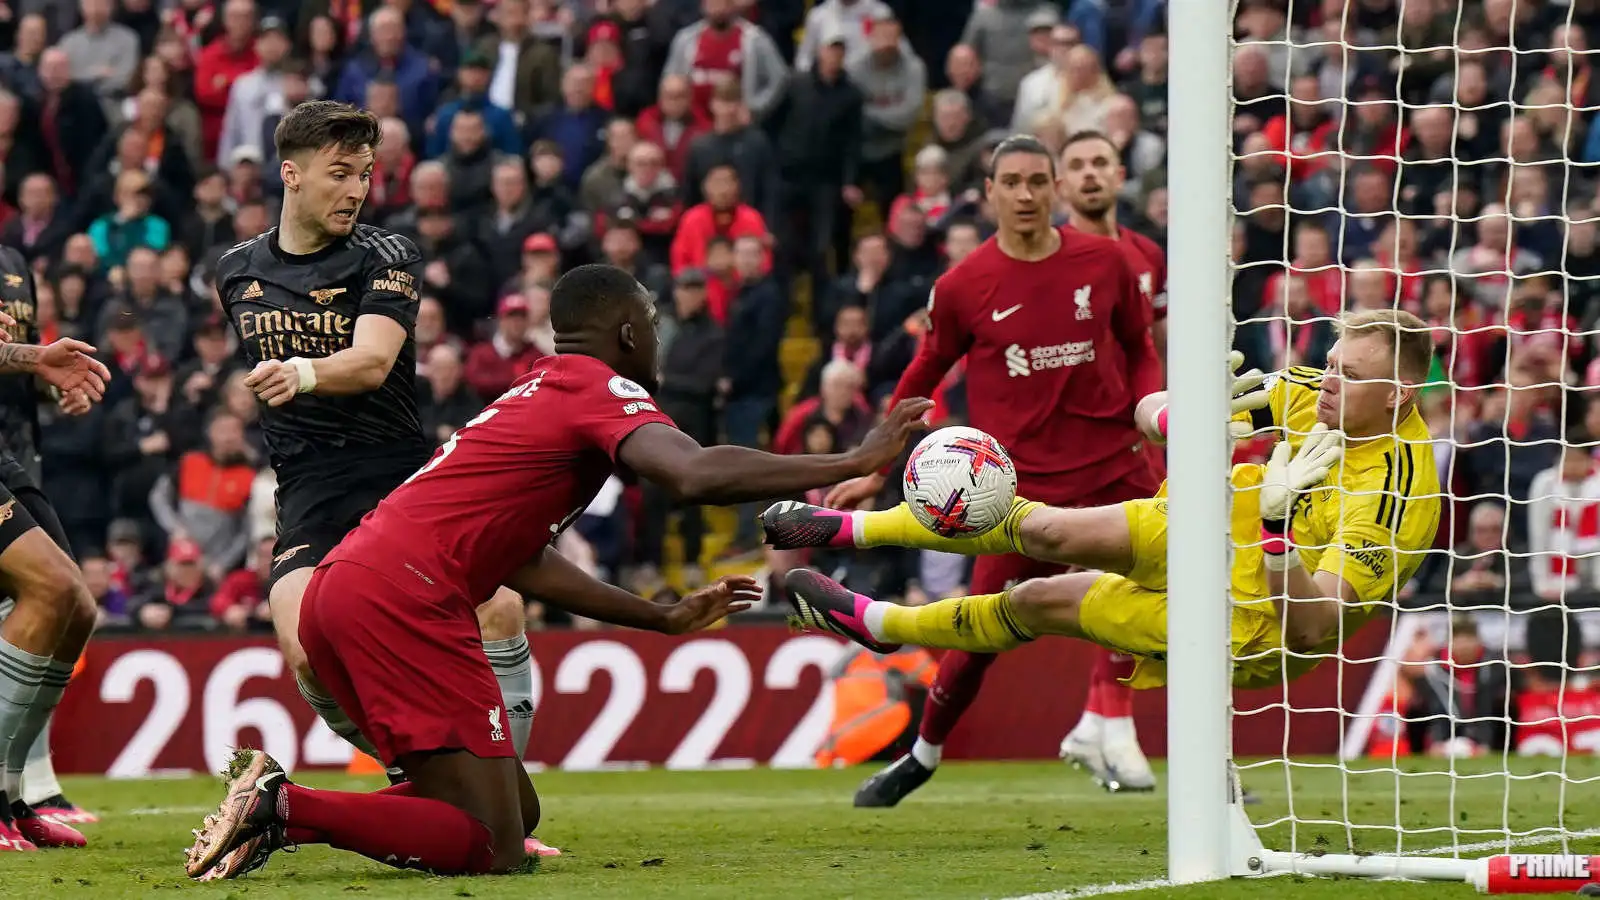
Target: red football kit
1149	263
389	620
1058	352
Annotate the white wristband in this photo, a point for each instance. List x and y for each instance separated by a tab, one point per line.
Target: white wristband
1281	562
307	372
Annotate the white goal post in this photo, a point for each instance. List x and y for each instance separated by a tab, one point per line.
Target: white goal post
1428	817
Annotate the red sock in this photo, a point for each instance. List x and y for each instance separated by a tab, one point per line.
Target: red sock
1108	696
960	677
395	829
300	834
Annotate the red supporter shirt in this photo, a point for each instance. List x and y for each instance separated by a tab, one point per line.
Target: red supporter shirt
216	68
1057	352
508	482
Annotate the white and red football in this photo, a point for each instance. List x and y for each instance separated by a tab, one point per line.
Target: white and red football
959	482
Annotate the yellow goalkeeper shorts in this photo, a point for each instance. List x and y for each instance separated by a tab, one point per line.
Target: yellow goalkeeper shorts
1127	617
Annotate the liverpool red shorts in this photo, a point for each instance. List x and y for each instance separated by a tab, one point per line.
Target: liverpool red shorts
404	661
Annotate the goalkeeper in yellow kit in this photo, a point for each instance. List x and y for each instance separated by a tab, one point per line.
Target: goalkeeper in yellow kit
1324	534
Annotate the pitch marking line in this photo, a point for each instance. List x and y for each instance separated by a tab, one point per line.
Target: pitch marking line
1114	887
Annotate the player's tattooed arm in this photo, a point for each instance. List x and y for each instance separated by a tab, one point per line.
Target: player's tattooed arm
66	365
558	582
729	474
18	358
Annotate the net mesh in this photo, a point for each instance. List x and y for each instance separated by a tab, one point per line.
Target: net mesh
1436	157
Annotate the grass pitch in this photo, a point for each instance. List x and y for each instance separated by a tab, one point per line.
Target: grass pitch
975	831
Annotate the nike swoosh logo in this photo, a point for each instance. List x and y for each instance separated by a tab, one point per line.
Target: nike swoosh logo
266	780
1000	314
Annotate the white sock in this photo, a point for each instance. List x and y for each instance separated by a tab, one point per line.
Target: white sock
926	753
873	619
328	709
1090	728
39	775
513	669
1120	730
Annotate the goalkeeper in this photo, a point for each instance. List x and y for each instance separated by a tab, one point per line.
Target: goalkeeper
1325	533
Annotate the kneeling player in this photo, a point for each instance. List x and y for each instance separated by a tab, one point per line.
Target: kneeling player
388	619
1361	534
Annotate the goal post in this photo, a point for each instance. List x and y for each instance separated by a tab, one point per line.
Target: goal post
1516	175
1199	805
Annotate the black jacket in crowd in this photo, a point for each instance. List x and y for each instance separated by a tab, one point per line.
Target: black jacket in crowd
758	315
818	131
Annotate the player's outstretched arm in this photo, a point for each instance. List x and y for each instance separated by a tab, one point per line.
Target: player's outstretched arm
66	365
557	582
357	369
1248	392
725	474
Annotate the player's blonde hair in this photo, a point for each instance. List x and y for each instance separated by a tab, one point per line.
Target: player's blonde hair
1408	337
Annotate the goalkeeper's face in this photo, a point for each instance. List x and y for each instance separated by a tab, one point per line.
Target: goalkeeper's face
1359	391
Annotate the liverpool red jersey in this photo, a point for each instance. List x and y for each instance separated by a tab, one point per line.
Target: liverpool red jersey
1058	352
509	481
1149	264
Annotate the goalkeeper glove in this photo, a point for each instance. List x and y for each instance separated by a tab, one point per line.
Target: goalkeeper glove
1246	393
1286	476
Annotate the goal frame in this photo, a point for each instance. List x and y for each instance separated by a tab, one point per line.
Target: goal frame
1209	837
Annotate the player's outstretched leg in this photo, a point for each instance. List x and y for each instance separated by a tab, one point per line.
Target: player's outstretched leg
459	815
984	623
1092	537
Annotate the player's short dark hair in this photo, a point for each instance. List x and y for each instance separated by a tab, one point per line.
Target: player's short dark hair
1020	143
591	296
1088	134
317	124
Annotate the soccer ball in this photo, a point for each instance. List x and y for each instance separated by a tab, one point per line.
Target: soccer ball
959	482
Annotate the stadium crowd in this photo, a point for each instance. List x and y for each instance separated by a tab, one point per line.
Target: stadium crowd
786	175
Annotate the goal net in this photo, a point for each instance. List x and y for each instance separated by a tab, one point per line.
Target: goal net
1437	157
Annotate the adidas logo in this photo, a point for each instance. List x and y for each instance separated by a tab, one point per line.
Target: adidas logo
253	291
523	710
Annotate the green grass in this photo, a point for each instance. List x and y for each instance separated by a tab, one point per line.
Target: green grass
993	830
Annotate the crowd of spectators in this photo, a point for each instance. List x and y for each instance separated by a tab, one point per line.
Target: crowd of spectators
781	170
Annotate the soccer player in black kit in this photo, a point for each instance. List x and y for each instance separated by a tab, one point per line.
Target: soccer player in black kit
49	610
325	310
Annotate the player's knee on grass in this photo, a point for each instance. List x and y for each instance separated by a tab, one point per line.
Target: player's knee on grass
486	789
1051	605
532	812
502	617
1095	538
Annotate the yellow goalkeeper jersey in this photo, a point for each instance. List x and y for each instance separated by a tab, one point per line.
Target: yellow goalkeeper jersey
1372	522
